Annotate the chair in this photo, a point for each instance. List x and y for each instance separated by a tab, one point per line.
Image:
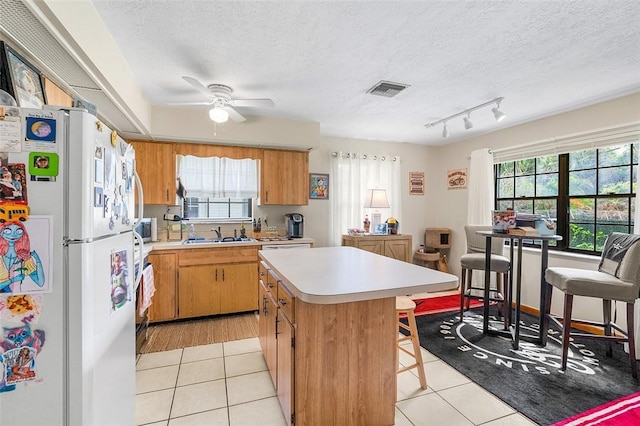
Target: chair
617	279
405	307
474	259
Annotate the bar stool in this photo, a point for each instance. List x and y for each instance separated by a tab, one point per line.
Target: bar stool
404	308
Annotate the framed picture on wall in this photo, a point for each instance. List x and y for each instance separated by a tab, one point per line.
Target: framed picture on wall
318	186
21	79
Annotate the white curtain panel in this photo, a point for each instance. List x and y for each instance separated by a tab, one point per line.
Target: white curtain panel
636	226
351	175
218	177
480	193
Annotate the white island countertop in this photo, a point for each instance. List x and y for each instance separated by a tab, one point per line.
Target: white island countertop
328	275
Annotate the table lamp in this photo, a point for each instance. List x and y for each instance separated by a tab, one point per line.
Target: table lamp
376	199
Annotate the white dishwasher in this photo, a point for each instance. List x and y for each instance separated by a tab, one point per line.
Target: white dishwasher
285	246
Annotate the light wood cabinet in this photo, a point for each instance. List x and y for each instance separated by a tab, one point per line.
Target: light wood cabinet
156	167
217	281
164	306
284	177
286	365
394	246
268	317
314	347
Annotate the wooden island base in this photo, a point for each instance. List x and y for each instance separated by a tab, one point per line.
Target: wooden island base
345	363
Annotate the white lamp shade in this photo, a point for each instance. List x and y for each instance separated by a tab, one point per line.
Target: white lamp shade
376	199
219	115
499	115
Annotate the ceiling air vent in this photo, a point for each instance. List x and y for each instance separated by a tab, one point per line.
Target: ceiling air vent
387	89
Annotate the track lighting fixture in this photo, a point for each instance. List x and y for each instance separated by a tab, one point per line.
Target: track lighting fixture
445	131
499	116
218	114
467	122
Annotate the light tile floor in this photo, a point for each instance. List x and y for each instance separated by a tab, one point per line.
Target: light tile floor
228	384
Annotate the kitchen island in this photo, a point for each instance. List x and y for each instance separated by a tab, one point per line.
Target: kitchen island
328	319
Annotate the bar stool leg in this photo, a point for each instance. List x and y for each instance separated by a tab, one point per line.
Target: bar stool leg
402	308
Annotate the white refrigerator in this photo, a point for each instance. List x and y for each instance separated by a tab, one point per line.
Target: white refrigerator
67	314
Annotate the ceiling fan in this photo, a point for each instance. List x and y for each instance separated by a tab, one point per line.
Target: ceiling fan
223	104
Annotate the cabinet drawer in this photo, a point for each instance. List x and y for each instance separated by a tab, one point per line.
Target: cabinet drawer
286	302
272	281
263	273
218	256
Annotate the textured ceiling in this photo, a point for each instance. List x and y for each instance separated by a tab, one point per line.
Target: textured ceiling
317	59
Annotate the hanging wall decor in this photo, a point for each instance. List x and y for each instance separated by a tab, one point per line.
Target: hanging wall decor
457	179
416	183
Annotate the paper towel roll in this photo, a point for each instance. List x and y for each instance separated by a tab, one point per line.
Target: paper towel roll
154	229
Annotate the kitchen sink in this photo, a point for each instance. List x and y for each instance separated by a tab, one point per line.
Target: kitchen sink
218	241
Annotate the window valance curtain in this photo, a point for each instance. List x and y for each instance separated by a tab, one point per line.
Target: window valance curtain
351	175
615	136
218	177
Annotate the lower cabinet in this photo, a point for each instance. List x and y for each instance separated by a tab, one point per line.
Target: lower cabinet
285	366
217	281
311	367
394	246
164	306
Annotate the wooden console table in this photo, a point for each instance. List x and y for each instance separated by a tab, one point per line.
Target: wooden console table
395	246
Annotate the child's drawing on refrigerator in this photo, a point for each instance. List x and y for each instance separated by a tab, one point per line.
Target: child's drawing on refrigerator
25	250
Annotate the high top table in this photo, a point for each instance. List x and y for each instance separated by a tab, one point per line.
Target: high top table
341	302
514	331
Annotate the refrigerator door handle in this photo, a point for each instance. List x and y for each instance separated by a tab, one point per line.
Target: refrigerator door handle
138	277
140	198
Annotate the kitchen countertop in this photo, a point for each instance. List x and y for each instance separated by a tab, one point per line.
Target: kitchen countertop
329	275
177	245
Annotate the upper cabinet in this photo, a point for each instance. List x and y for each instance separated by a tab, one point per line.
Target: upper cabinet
284	177
156	166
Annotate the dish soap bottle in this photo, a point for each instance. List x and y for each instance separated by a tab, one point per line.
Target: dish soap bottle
367	224
192	232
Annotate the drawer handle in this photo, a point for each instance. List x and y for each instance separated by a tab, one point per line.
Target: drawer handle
282	302
270	285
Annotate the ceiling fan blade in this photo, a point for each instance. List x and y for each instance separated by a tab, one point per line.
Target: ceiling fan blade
190	103
195	83
234	115
252	102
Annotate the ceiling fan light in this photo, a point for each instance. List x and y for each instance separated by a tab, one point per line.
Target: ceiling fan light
445	131
467	123
499	115
219	115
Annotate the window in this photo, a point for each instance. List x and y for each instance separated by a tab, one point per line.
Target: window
588	193
217	208
218	188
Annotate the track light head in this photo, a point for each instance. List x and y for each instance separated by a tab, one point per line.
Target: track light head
445	131
467	122
499	115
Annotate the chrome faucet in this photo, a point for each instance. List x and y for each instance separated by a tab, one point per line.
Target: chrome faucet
217	231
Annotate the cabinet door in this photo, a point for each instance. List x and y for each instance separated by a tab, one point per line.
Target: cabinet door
198	291
156	166
285	366
262	320
374	246
164	304
397	249
238	288
285	178
270	353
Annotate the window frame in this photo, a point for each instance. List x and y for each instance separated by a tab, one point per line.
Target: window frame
246	202
563	197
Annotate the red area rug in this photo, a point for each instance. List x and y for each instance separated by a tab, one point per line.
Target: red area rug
436	305
624	411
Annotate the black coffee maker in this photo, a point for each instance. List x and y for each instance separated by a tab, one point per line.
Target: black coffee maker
295	225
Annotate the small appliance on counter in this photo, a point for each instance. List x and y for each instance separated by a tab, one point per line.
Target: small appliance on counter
295	225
